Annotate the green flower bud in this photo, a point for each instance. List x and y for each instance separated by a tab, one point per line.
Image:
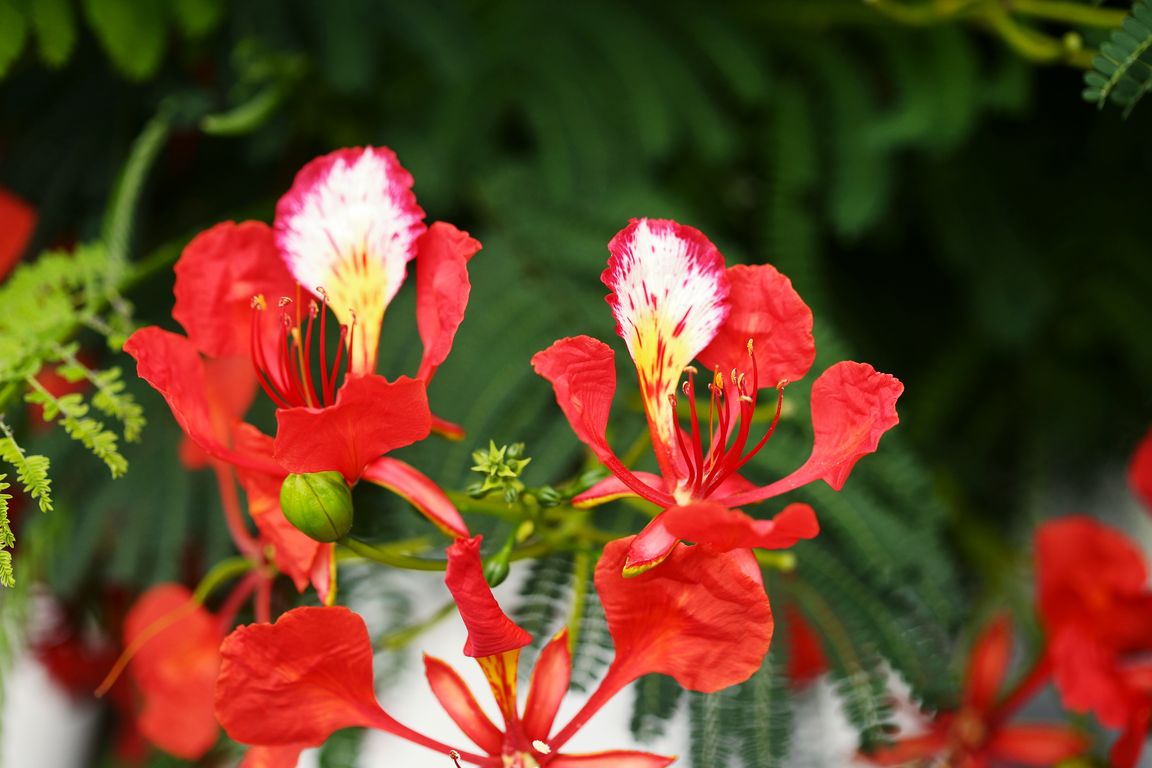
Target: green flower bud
319	504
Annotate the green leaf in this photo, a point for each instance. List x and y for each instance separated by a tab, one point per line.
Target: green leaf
134	33
54	22
13	32
1122	71
198	17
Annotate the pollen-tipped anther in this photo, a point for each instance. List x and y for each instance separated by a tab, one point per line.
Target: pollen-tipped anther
284	301
541	747
258	302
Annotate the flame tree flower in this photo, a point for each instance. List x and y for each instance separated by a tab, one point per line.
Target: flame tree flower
675	302
699	619
1094	602
978	733
254	301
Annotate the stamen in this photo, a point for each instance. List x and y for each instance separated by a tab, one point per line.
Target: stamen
541	747
455	757
680	440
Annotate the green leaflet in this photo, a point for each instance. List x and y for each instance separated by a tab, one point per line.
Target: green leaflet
1122	71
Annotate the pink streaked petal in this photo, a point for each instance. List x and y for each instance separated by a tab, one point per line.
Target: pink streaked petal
286	756
582	372
650	547
765	309
419	491
550	681
669	297
371	416
988	665
349	226
458	701
1039	745
442	289
1140	471
853	405
217	275
620	758
612	488
724	529
490	631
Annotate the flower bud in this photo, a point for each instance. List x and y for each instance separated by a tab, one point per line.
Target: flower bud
319	504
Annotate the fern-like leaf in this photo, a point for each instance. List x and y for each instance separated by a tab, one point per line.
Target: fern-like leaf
72	413
1122	71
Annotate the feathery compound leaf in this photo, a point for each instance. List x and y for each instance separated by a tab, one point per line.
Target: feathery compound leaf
72	413
657	699
1122	71
7	538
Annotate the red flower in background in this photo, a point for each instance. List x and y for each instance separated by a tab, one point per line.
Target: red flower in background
675	302
978	733
1140	471
1094	602
254	301
698	619
17	223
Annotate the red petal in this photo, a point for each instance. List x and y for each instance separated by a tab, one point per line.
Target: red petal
1042	745
286	756
582	371
441	290
371	416
1140	471
806	659
312	668
171	364
175	668
216	277
650	547
458	701
697	617
765	308
904	751
550	681
852	407
988	664
419	491
490	631
612	488
1126	751
17	222
724	529
620	758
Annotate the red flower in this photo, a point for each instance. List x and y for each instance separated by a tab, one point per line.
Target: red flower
254	302
17	222
978	734
1140	471
697	619
675	302
1096	607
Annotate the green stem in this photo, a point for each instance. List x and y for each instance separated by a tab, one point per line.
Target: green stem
395	641
1077	14
580	568
223	571
387	556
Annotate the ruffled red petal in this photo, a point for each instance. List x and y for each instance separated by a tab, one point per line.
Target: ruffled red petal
724	529
408	482
619	758
1039	745
650	547
216	277
1087	676
17	222
764	308
1140	471
550	680
371	416
988	665
490	631
582	371
298	680
175	668
697	617
457	700
442	289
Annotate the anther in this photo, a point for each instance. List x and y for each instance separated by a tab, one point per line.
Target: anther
690	369
313	308
747	399
718	380
749	347
258	302
455	757
284	301
541	747
733	375
686	389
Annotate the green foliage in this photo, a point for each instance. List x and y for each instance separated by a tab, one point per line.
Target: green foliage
1122	71
657	699
13	32
7	539
54	22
